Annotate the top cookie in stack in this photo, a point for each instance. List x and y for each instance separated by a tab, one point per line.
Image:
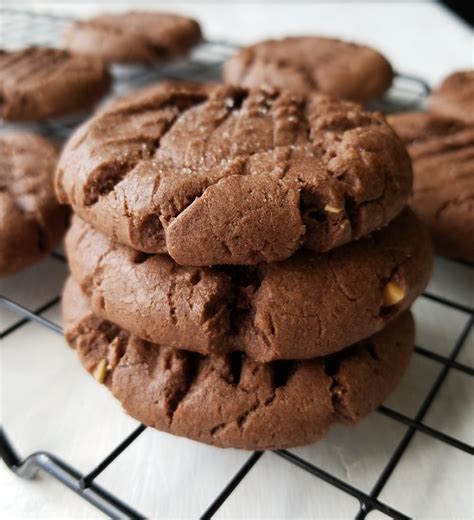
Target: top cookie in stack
269	351
224	175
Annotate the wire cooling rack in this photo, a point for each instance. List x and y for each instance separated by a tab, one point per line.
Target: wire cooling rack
19	28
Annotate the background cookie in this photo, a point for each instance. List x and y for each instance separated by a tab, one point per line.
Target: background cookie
233	401
38	82
309	64
307	306
31	220
455	97
222	175
442	150
134	36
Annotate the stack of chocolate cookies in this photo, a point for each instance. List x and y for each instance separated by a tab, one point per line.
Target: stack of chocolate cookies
242	261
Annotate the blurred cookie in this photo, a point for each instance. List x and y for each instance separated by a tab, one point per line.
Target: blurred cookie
455	97
309	305
39	83
224	175
134	36
233	401
310	64
31	220
442	150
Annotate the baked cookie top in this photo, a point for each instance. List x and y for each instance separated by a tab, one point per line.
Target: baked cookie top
309	305
455	97
39	83
442	150
224	175
135	36
231	400
31	220
310	64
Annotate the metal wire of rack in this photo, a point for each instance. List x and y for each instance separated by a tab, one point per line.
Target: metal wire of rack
21	27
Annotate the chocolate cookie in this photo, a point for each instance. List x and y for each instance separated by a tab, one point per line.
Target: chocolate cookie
307	306
442	150
455	97
308	64
233	401
31	220
223	175
38	83
134	36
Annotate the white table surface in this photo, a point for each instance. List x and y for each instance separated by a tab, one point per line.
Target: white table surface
48	402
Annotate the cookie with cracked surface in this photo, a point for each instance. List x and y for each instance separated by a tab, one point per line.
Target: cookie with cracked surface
442	150
232	400
134	37
39	83
455	97
222	175
307	306
310	64
31	220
